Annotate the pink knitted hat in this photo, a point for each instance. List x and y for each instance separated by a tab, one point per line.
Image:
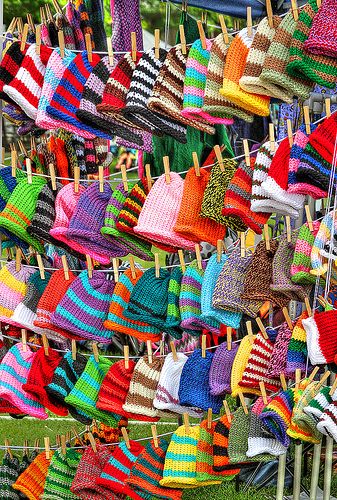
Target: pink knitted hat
160	211
322	39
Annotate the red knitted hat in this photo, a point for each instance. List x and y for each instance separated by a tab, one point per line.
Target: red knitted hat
321	330
10	64
40	375
7	407
323	138
114	390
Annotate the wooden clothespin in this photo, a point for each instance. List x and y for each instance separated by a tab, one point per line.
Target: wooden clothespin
3	153
149	351
89	265
52	176
38	39
42	15
41	266
308	306
202	35
65	267
250	331
209	418
63	444
319	3
166	161
182	39
243	403
323	378
333	387
288	227
47	447
93	442
294	9
309	219
110	51
88	46
124	178
95	351
290	132
272	137
224	29
269	13
219	158
327	101
12	25
297	378
22	148
133	46
45	344
157	265
283	381
198	255
196	164
126	437
19	23
229	338
132	267
266	236
24	339
73	350
76	178
101	178
243	244
14	159
154	435
115	265
24	37
313	374
173	350
203	346
219	249
60	36
263	392
287	318
262	328
182	260
8	450
18	258
57	7
306	113
247	152
186	422
156	43
249	22
148	176
227	411
29	170
126	356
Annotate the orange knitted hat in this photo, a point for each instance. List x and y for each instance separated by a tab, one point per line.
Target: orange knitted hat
189	223
57	147
31	481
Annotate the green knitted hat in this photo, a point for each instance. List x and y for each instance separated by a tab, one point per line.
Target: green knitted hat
301	265
317	406
20	209
173	318
84	394
238	437
301	419
61	473
318	68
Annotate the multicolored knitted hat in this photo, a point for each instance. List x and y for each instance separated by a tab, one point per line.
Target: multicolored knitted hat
65	376
31	482
14	370
260	172
328	422
10	65
239	365
220	448
128	216
194	388
9	471
321	39
260	443
60	475
318	404
303	427
238	436
321	338
276	416
73	17
234	69
167	394
297	350
221	368
165	199
301	265
274	75
13	288
278	358
84	307
321	69
322	238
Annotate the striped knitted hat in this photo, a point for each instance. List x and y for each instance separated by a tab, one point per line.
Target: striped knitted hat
61	473
320	69
215	104
9	471
31	482
167	397
160	212
220	448
278	358
239	365
127	218
303	427
321	337
297	350
238	436
194	388
221	368
322	35
64	379
73	17
316	407
234	68
276	416
328	422
167	94
13	289
260	443
10	65
83	396
14	370
84	307
301	265
322	238
274	75
259	198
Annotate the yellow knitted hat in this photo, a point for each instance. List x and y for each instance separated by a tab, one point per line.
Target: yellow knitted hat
239	365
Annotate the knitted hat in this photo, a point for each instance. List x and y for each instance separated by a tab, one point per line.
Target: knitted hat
214	194
61	473
57	148
167	397
84	307
165	199
127	218
321	337
328	422
9	471
84	394
239	365
234	68
215	104
13	288
167	94
10	65
147	472
14	369
238	436
258	362
220	448
31	482
276	416
278	358
63	381
117	469
25	88
257	285
274	76
173	318
320	69
259	198
316	407
301	265
303	427
230	285
194	388
20	209
221	367
297	350
322	243
321	39
237	203
260	442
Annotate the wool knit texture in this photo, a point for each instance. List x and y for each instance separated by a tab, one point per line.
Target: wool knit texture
13	288
260	443
238	436
56	147
61	473
73	17
297	350
322	242
10	65
328	422
128	216
31	482
259	198
221	368
127	19
9	471
173	318
276	416
321	39
294	430
302	427
220	448
278	358
301	265
316	407
239	365
274	76
321	337
315	164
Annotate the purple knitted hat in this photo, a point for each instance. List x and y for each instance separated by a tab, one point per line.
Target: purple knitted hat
85	306
126	19
221	369
87	220
278	359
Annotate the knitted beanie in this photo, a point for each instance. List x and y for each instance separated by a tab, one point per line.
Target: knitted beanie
25	88
173	318
73	17
61	473
220	448
31	482
260	443
238	436
239	365
320	69
221	368
13	288
321	39
274	76
84	307
117	469
278	358
14	370
321	337
56	146
10	65
9	471
190	301
194	388
276	416
328	422
301	265
167	397
259	198
322	244
62	23
303	427
234	69
297	350
214	194
63	381
128	216
163	199
20	209
215	104
316	407
167	94
230	285
147	472
84	394
237	203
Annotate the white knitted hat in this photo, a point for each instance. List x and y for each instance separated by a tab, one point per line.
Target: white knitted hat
319	403
259	199
328	422
260	441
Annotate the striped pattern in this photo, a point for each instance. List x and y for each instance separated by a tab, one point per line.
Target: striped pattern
276	416
127	218
314	169
260	444
220	448
10	65
32	481
328	422
61	473
323	235
261	168
301	265
9	471
321	337
173	318
212	272
13	288
297	350
239	365
303	427
278	358
316	407
204	466
322	35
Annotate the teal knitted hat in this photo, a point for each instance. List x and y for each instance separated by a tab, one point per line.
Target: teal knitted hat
61	473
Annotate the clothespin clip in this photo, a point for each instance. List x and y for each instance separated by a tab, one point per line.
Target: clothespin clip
157	265
124	178
110	51
266	236
166	161
243	403
173	350
154	435
14	159
89	265
250	331
327	101
133	46
287	318
149	351
319	3
224	29
182	39
297	378
101	178
22	148
115	265
186	422
73	349
306	113
182	260
219	248
202	35
283	381
42	15
24	339
249	22
93	442
243	244
29	170
63	444
209	418
148	176
57	7
132	267
247	152
333	387
288	226
126	437
45	344
41	266
227	411
60	35
52	176
219	158
95	351
88	46
12	25
313	374
324	377
76	178
294	9
24	37
309	219
8	450
198	255
19	23
290	132
47	447
269	13
263	392
156	43
18	257
196	164
203	346
308	306
272	137
126	356
229	338
65	267
262	328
